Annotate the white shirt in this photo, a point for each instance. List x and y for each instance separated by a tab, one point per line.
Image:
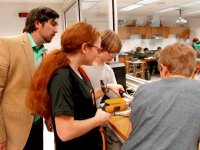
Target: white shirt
104	73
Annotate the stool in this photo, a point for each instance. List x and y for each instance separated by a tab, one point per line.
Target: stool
140	70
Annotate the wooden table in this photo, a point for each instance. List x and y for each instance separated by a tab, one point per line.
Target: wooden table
149	59
120	124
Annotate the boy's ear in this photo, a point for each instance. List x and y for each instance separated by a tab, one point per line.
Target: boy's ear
164	70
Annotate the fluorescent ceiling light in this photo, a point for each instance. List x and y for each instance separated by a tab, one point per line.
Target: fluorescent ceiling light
191	4
144	2
86	4
130	7
192	12
168	9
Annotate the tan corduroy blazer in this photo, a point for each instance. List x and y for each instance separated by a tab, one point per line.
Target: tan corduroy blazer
17	67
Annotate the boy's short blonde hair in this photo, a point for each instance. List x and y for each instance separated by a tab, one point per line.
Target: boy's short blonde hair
110	41
180	59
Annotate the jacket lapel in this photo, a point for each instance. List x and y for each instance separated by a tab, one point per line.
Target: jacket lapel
29	54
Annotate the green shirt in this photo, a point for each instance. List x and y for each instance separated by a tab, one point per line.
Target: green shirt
37	51
197	47
38	54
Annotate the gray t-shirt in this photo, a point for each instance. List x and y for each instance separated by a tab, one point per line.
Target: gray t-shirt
104	73
165	116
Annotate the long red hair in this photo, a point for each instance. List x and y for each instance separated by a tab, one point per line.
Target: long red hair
38	99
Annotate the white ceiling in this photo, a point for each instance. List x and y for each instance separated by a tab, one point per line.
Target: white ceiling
149	10
146	10
161	4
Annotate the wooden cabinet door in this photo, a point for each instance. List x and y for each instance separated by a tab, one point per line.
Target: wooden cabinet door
134	30
148	33
142	30
180	32
165	32
124	32
183	33
157	30
172	30
138	30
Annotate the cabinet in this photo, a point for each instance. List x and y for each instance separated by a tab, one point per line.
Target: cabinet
138	30
164	31
124	32
148	32
145	32
157	30
180	32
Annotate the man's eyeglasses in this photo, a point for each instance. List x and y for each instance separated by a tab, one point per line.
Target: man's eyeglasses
99	49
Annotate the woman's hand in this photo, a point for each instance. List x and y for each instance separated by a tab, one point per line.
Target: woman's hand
115	88
48	123
102	117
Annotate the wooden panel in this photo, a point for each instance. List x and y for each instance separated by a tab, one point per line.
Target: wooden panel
142	30
184	33
172	30
157	30
121	126
138	30
148	34
180	32
124	32
160	30
165	32
134	30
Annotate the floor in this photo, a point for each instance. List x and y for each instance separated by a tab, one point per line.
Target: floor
154	77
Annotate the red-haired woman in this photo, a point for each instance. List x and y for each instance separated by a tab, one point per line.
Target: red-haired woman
61	89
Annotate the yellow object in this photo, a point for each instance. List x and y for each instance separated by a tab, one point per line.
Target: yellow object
114	105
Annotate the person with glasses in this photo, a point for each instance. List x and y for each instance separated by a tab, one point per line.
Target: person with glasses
62	90
111	46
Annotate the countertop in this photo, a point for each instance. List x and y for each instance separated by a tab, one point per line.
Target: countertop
120	125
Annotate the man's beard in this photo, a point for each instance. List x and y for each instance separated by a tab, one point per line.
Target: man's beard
48	40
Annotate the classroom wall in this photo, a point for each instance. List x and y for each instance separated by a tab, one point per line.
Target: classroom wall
12	24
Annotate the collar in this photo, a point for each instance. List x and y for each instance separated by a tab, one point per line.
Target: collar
33	44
